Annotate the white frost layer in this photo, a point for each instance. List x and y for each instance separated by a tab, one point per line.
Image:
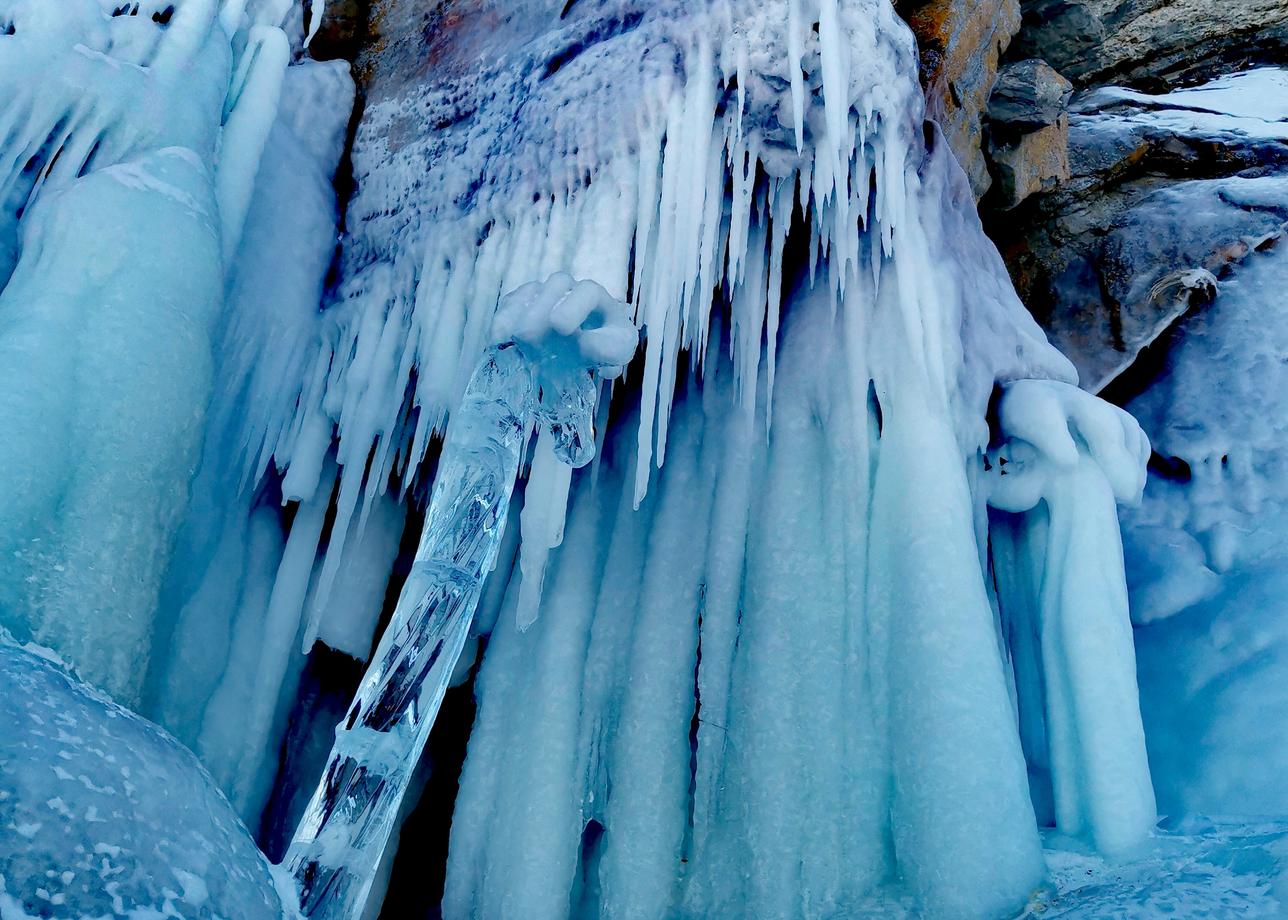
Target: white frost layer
1252	104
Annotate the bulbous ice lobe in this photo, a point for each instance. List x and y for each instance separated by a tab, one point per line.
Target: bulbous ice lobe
567	331
104	814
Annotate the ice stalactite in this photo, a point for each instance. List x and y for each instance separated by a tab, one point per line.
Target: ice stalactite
554	337
777	688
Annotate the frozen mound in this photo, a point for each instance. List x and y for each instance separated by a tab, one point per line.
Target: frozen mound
102	814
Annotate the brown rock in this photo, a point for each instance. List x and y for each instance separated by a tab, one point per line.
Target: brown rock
1036	161
960	44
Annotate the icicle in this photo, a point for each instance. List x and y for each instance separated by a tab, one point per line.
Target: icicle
317	13
794	54
542	524
252	110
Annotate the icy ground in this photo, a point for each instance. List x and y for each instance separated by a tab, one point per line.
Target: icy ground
1191	870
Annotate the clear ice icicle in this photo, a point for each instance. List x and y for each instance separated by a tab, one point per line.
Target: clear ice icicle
556	335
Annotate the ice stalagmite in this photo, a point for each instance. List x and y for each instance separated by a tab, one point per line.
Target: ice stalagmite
555	335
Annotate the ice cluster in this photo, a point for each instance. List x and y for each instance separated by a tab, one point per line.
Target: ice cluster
553	338
778	665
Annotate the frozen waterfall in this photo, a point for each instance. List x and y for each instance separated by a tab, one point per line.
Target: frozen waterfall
781	659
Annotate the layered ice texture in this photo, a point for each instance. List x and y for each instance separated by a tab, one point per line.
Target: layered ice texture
767	672
1207	549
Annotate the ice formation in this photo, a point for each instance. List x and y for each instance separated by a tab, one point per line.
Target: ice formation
1207	549
131	138
1063	599
769	675
104	815
553	337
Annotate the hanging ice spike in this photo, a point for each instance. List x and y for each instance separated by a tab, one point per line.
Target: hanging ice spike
555	337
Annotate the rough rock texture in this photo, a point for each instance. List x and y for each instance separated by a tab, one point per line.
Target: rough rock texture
1028	95
1141	42
343	33
960	43
1028	132
1161	198
1034	162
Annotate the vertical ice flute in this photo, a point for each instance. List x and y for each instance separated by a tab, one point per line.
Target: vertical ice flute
555	336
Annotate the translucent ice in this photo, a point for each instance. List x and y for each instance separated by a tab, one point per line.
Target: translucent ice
554	335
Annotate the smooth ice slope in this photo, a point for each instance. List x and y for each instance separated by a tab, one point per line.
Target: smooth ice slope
102	814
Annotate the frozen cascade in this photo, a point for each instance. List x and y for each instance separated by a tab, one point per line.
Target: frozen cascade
129	146
554	336
1063	599
767	677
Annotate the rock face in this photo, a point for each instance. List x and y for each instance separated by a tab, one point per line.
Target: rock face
960	44
103	814
1163	196
1028	95
1140	42
1102	269
1028	138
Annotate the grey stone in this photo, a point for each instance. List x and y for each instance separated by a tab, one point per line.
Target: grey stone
1148	43
1028	95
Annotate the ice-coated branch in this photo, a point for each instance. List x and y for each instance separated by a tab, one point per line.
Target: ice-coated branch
555	336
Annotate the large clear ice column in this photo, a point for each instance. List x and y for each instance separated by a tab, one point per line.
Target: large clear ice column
559	334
